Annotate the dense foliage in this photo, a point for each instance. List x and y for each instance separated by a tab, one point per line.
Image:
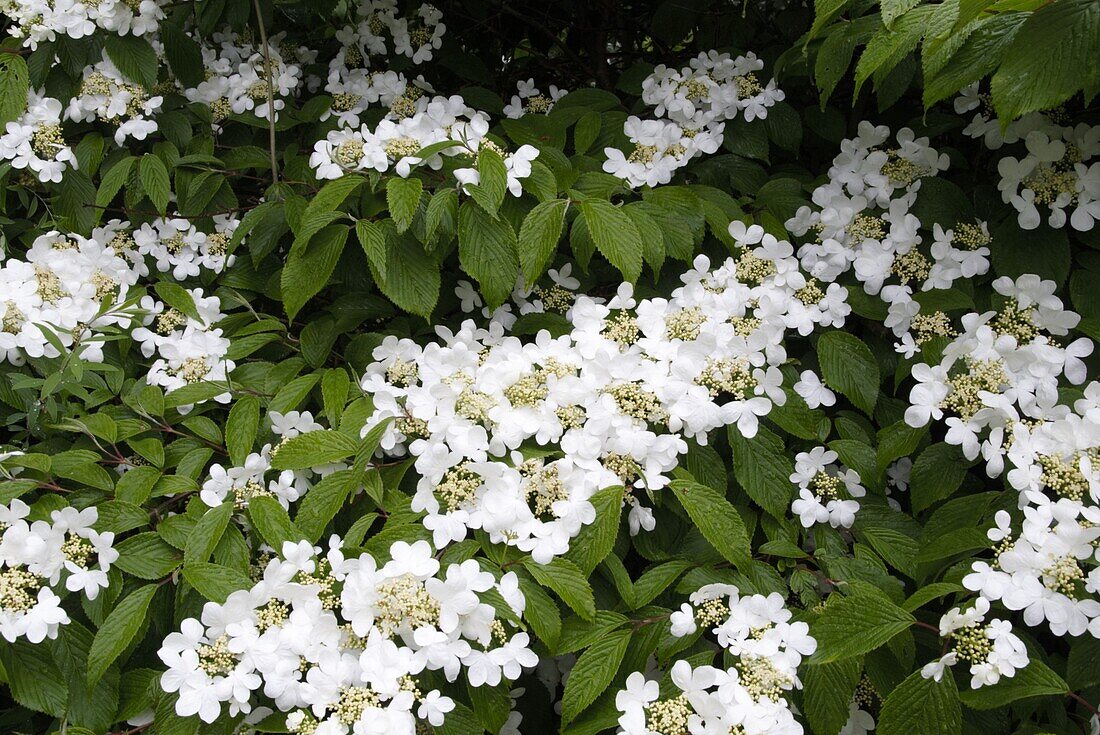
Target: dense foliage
656	368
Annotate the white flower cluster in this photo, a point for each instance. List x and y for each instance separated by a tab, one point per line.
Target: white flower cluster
415	117
345	644
105	94
179	248
992	649
37	555
67	287
76	290
36	21
825	490
236	79
861	223
996	390
747	697
692	105
1059	170
241	484
35	140
608	404
528	100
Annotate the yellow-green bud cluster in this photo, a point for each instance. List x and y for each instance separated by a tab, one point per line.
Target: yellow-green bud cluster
637	402
404	602
982	375
731	376
685	324
458	487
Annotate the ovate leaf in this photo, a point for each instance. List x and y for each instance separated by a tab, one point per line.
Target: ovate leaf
920	706
847	365
717	520
117	631
593	672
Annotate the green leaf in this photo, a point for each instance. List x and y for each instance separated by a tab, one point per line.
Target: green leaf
614	235
565	579
717	520
937	473
323	501
656	580
146	556
372	237
273	522
178	298
183	55
829	689
14	83
335	386
493	181
851	626
118	631
541	612
403	197
979	56
586	131
241	428
154	179
1068	32
593	672
214	581
889	46
595	540
411	279
895	547
207	533
308	270
487	251
848	366
538	237
920	706
824	13
763	468
893	9
1035	680
1044	251
134	57
313	448
113	181
333	194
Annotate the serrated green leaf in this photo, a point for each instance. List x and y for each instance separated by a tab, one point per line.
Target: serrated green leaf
920	706
848	366
717	520
592	674
538	237
614	235
568	582
403	198
487	251
118	631
854	625
273	522
154	179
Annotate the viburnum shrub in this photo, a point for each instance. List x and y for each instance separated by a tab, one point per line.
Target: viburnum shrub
372	367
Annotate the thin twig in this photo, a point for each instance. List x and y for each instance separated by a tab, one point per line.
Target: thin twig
270	94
